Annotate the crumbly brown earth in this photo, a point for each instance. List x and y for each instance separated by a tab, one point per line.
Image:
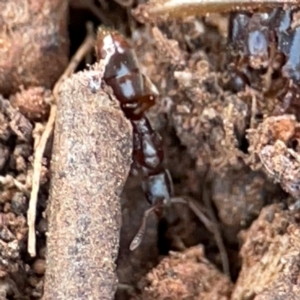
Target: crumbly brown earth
242	172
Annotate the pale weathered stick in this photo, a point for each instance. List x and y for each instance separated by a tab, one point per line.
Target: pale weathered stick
90	164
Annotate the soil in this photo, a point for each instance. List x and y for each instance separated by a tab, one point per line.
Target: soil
241	169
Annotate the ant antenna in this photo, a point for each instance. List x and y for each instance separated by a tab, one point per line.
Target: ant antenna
139	236
197	211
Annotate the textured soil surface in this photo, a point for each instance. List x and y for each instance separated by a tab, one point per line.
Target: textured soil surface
231	145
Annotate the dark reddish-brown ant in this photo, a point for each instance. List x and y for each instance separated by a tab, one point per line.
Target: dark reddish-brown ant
259	40
136	94
266	45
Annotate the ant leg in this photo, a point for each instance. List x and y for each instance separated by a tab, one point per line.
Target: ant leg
139	236
211	226
196	210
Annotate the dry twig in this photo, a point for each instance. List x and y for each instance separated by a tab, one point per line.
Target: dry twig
91	160
39	151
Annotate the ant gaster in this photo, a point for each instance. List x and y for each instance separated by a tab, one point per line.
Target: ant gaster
136	94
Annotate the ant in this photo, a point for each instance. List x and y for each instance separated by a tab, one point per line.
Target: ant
266	44
263	43
260	40
261	33
136	94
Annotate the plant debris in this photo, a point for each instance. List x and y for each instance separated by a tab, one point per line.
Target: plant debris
228	114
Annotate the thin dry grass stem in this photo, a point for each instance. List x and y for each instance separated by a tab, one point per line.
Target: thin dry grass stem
183	8
85	48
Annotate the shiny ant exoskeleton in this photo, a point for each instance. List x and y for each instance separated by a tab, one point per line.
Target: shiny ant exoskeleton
261	47
136	94
266	45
